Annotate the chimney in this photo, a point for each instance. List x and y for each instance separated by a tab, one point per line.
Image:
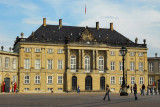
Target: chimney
22	34
44	22
97	25
60	23
111	26
156	55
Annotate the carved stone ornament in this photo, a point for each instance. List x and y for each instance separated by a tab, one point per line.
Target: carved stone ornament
87	36
26	55
7	75
37	55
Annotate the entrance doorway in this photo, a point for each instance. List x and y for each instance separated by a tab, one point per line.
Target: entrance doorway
88	83
159	85
102	83
7	84
74	83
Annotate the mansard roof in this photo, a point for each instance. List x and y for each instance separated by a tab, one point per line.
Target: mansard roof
73	34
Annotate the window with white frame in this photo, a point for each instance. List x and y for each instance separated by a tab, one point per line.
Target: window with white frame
50	50
60	64
87	63
150	65
37	89
60	79
26	89
73	63
0	79
132	80
101	63
140	66
141	80
112	80
131	66
140	53
112	66
60	50
14	63
49	78
26	79
50	65
132	53
14	78
37	63
26	49
26	64
121	66
112	53
6	62
37	79
120	80
37	50
151	80
0	62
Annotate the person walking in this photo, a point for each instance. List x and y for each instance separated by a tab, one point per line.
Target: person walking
107	93
143	89
135	90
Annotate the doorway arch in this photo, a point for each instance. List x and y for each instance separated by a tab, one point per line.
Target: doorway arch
74	83
88	83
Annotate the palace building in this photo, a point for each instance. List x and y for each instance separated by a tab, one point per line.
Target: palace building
61	58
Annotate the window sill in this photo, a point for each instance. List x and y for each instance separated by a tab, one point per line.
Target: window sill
59	83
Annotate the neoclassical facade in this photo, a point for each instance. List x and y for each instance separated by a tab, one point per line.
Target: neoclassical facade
61	58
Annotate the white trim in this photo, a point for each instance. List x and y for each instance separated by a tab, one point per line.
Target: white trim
27	79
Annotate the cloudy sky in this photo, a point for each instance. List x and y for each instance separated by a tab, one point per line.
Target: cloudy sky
132	18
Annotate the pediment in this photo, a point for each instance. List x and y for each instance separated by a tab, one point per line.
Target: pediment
87	36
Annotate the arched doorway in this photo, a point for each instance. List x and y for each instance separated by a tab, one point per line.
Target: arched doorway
74	83
7	84
102	83
88	83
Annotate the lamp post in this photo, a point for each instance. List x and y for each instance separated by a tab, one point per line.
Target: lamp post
123	52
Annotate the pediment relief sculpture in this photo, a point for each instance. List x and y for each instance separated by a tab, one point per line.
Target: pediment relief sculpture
87	36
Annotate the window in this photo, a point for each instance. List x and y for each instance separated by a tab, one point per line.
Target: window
151	80
37	64
26	49
141	80
132	53
112	66
37	50
87	63
140	54
59	89
49	80
26	89
101	63
150	66
37	89
59	64
112	80
26	63
132	80
26	79
112	53
60	79
60	50
120	80
73	63
50	89
37	79
50	50
6	62
131	66
14	63
141	66
0	79
121	66
0	62
50	64
14	79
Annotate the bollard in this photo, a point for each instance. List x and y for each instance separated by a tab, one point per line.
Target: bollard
149	92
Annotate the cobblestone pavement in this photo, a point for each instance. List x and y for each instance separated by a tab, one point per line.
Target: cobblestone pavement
92	99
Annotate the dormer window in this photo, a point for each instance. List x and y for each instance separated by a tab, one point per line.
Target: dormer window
140	53
112	53
26	49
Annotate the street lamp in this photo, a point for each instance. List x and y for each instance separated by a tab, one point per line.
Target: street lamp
123	52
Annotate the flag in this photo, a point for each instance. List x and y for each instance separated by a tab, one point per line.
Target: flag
85	9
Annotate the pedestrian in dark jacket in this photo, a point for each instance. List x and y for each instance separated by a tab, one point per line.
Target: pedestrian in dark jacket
143	89
135	91
107	93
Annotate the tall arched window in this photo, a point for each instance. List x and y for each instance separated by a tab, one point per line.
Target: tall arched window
73	63
87	63
101	63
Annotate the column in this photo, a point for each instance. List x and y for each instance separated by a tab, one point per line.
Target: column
68	67
96	61
107	60
93	56
80	61
82	66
